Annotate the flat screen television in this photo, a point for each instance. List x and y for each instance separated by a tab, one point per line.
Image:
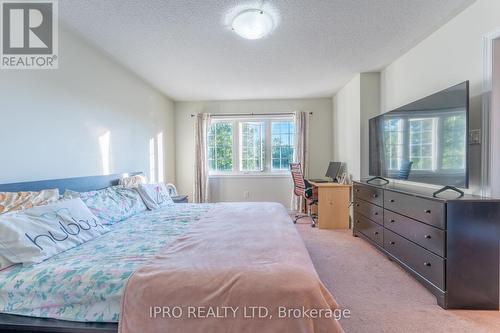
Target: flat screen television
424	141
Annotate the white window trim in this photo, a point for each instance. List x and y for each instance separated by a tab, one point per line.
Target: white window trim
434	144
436	147
267	172
263	137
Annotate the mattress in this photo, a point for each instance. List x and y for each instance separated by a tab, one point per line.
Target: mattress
239	257
86	283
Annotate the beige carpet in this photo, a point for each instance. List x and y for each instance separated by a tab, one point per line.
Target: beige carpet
381	296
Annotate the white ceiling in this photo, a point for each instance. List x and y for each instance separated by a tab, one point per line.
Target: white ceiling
187	50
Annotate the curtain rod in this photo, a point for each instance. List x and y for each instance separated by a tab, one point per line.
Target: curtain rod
251	114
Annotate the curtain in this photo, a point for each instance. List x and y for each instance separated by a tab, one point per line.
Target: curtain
301	145
201	190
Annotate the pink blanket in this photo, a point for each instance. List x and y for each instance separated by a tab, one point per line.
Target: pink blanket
242	268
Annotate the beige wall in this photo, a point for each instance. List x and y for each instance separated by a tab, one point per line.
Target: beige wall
369	108
273	188
452	54
52	120
353	106
346	129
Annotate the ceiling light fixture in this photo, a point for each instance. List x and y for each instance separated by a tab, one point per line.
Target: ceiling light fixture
253	24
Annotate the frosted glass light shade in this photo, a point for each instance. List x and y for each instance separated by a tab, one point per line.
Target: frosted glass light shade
253	24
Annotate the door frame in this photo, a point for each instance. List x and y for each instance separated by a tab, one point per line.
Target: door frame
486	110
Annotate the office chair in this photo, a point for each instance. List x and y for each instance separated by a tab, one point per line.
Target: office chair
303	188
404	172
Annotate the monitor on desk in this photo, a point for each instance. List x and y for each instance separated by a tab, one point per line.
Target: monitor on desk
334	169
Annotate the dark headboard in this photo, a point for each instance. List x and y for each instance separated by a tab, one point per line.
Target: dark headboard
79	184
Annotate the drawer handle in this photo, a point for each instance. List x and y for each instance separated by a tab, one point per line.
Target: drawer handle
357	205
357	190
392	200
375	196
428	264
376	213
392	221
392	243
428	236
357	221
375	233
427	211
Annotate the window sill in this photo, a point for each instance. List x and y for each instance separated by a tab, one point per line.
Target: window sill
252	175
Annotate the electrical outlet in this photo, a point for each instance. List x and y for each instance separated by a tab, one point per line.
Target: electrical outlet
246	194
475	137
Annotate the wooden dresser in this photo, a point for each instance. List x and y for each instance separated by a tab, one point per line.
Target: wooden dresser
450	245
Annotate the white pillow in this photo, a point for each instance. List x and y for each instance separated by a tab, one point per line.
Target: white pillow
133	181
155	195
4	263
38	233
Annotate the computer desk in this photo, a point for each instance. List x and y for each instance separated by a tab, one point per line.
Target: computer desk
333	205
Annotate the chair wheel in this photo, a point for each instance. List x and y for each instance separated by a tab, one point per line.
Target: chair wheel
313	225
294	221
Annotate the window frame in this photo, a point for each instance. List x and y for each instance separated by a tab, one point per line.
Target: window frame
271	145
400	144
437	144
433	143
222	172
263	148
267	137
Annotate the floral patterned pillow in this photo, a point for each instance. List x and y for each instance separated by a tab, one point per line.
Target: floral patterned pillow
13	201
112	204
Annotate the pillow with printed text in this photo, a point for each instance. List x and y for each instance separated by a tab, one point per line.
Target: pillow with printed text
155	195
36	234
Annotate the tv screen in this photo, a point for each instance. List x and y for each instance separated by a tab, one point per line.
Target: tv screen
424	141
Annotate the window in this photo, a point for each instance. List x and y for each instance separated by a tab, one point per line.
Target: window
282	133
220	146
422	143
453	143
394	142
433	142
251	146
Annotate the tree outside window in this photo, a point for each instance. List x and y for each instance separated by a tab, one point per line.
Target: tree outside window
454	141
283	133
220	146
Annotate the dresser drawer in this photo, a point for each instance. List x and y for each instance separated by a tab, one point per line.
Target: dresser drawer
369	228
427	264
425	210
425	235
373	212
370	194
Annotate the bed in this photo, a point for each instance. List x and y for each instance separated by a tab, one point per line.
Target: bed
83	289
